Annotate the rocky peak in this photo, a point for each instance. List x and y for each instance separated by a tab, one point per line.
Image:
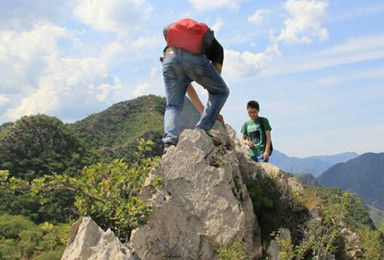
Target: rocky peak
203	203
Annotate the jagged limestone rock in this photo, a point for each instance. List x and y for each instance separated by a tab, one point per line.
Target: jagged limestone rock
88	241
189	116
202	205
352	244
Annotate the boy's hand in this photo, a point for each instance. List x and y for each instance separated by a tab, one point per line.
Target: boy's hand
249	144
266	156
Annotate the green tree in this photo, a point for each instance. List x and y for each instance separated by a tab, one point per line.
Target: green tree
17	199
20	238
38	145
108	192
322	236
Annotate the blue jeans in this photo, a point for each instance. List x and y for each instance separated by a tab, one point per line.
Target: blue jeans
179	70
258	158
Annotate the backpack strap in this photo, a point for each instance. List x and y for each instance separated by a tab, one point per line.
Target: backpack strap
261	121
246	127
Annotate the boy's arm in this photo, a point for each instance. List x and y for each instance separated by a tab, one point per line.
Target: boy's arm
268	144
245	141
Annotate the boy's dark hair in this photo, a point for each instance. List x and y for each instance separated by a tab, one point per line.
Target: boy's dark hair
253	104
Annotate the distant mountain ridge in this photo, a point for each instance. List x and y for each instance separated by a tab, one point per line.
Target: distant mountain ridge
314	165
363	175
113	132
121	122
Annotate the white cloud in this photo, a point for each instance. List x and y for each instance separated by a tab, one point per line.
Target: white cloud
119	16
217	25
3	100
106	89
24	55
155	71
216	4
145	43
366	10
141	89
304	23
352	51
44	100
364	74
258	16
24	14
112	50
357	45
37	78
245	64
64	85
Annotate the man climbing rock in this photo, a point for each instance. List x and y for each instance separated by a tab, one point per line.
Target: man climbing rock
192	54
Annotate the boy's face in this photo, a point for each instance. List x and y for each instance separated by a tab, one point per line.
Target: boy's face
253	113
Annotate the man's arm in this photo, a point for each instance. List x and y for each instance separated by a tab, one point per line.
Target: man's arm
218	66
195	98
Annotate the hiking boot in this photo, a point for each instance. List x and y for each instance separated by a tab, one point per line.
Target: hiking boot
216	141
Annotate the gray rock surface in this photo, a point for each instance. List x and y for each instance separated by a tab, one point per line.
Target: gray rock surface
88	241
273	249
189	116
202	206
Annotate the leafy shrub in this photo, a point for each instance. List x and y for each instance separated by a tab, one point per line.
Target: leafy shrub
11	226
235	251
17	199
18	203
323	236
22	239
372	242
274	208
108	192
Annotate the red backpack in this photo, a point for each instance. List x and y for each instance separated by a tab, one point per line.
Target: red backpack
189	35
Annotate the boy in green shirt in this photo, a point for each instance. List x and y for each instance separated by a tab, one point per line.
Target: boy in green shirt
257	134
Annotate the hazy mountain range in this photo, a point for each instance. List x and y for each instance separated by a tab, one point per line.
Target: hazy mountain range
314	165
363	175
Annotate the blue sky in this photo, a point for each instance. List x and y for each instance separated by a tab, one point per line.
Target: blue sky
316	67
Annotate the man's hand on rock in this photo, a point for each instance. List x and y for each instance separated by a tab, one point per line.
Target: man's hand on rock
220	118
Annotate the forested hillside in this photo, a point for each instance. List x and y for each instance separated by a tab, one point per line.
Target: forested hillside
38	145
363	175
113	131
